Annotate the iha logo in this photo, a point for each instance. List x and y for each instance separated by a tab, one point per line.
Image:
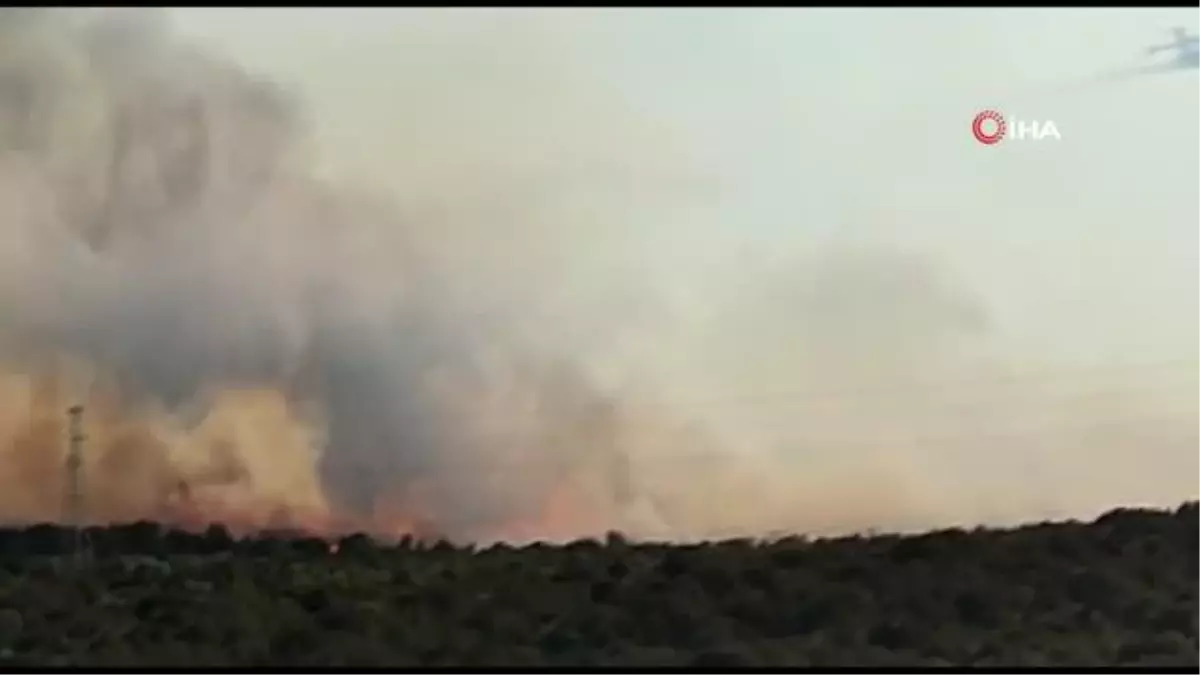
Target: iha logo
990	127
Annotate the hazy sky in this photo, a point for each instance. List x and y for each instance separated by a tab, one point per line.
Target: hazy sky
809	123
685	272
791	127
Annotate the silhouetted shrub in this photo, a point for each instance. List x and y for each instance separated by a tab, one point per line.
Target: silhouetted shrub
1119	591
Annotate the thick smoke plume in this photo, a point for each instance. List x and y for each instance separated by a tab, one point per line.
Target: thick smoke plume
258	345
253	343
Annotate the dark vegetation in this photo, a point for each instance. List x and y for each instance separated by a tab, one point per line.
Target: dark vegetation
1118	591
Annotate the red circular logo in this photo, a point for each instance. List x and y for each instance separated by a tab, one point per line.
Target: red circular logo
984	120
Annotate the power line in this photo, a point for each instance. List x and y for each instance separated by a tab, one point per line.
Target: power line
900	387
480	462
980	410
544	438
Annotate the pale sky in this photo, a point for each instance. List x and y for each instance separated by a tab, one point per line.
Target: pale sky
751	259
817	123
666	206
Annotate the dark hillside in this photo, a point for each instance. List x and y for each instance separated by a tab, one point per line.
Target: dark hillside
1118	591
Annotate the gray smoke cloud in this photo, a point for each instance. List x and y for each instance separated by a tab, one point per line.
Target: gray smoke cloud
484	335
172	237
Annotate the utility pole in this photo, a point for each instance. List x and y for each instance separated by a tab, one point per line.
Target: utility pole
74	495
